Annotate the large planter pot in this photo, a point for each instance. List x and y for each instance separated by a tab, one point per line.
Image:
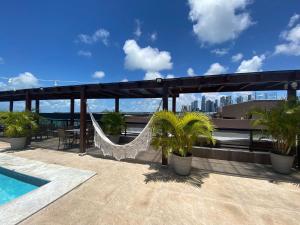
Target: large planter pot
17	143
182	165
282	163
114	138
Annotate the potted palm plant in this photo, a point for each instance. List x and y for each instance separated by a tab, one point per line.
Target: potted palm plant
18	126
176	135
282	123
113	123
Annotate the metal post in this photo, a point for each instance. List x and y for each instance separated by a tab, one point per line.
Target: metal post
37	106
292	96
82	120
11	105
174	104
28	102
72	109
117	104
251	141
164	159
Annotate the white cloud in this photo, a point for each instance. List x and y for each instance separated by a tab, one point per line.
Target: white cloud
153	36
87	54
138	29
152	75
292	42
124	80
216	68
170	76
98	74
251	65
293	20
236	58
22	81
1	60
147	59
219	21
101	35
190	72
220	51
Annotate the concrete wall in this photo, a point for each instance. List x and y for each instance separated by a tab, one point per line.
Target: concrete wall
237	111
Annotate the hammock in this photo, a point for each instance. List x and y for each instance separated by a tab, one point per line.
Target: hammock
130	150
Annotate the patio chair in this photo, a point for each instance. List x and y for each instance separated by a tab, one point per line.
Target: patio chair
65	138
42	132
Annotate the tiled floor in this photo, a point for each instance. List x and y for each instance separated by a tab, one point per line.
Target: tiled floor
131	193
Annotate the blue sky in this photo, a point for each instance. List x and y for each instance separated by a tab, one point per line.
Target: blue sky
46	43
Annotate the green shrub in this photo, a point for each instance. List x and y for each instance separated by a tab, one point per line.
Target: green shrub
113	123
19	124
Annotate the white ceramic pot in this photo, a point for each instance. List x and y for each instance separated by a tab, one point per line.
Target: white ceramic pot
17	143
182	165
282	163
114	138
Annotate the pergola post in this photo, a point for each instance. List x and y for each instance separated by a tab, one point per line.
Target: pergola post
164	159
28	102
11	105
117	104
72	109
292	96
37	106
82	120
174	104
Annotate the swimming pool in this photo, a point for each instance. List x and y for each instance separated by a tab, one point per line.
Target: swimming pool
13	184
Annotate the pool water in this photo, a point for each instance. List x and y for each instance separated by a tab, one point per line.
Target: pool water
13	185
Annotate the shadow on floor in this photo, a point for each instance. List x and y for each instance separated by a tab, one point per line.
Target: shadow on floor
166	174
201	166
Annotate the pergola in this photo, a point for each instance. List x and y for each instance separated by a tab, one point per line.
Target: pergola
288	80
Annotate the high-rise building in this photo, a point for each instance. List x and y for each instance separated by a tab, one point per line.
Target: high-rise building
184	108
194	106
203	104
222	101
228	100
209	106
239	99
216	105
249	97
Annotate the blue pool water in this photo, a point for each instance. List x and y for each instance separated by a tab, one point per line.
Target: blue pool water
13	185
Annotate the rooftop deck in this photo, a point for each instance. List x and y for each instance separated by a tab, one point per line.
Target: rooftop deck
218	192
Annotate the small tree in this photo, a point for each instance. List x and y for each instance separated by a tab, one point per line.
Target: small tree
178	134
282	123
113	123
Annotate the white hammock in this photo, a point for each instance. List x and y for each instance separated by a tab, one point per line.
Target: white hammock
130	150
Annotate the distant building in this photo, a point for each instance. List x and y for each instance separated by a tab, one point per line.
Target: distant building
194	106
216	107
228	100
249	97
184	108
239	99
209	106
222	101
203	104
